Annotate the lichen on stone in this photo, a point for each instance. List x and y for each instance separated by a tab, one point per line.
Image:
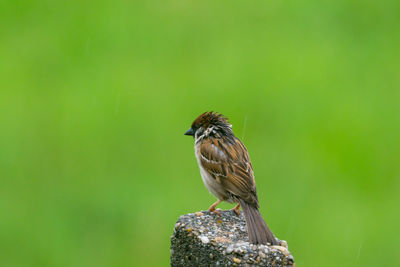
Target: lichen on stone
222	240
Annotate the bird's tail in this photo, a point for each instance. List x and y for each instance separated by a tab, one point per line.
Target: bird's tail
257	229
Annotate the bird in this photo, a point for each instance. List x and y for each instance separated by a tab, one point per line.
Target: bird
227	172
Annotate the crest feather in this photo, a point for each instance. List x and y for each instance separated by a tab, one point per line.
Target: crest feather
211	118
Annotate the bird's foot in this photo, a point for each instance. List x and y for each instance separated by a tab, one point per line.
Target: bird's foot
218	212
213	208
236	209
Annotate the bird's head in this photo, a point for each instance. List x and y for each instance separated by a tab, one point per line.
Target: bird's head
209	123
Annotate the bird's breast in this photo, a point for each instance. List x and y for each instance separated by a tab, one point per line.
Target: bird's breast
209	181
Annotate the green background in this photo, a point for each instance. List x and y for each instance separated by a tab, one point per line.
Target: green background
95	97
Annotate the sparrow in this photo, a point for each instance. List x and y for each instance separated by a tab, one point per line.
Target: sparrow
227	172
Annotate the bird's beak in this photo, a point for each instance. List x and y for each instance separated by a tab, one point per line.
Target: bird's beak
189	132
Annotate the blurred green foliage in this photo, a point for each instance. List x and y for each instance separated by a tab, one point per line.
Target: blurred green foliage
95	97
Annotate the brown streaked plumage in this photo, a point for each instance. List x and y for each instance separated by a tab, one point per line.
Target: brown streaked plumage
227	173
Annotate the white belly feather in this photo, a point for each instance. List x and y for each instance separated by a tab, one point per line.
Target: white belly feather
211	184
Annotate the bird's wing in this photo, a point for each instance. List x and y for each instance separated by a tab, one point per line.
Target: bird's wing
229	163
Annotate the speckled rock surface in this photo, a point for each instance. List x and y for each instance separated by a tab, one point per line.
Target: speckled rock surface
207	239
